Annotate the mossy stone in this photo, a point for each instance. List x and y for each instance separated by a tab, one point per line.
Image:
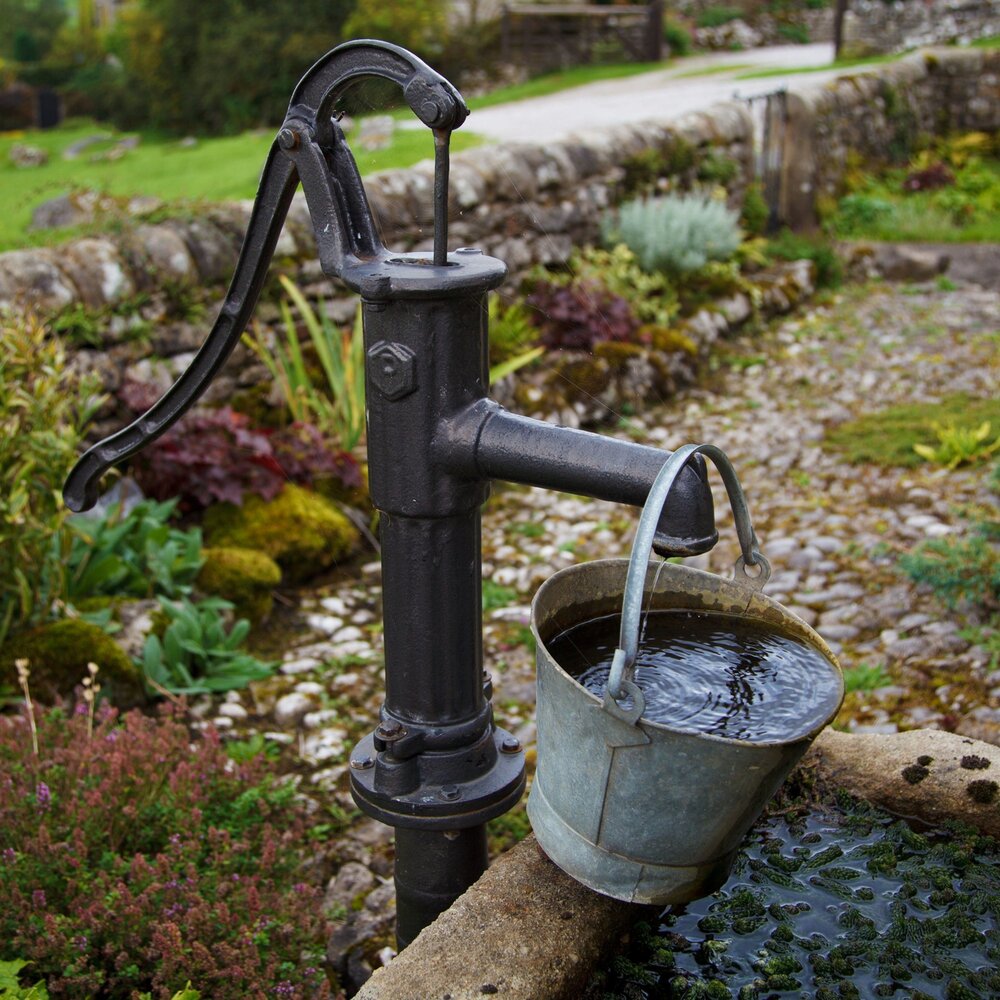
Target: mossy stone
58	654
300	530
244	576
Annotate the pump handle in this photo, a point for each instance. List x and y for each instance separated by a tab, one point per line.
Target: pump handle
620	682
310	147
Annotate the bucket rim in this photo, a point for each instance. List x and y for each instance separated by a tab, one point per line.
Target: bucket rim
675	569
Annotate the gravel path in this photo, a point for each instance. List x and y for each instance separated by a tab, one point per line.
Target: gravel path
832	531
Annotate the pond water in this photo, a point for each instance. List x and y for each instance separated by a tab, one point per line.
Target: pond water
848	904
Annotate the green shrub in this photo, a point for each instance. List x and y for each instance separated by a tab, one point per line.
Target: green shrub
798	34
338	407
714	17
717	168
791	246
134	859
11	989
676	233
43	410
677	37
651	295
857	213
958	569
756	213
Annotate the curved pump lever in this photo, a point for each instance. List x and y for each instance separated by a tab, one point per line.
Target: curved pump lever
310	147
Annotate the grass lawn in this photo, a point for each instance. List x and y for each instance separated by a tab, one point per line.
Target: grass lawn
551	83
220	169
760	74
691	74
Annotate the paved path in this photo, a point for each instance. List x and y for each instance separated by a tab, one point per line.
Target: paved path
660	94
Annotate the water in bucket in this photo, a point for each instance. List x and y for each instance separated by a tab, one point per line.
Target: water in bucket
703	672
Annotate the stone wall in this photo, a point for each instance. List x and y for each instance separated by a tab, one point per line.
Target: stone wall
877	26
878	113
526	204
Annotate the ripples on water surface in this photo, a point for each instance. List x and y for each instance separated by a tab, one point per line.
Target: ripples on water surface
710	673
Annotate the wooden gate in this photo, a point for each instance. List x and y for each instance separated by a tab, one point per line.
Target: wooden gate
548	37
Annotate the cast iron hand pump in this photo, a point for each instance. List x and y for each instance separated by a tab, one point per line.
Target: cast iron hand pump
436	768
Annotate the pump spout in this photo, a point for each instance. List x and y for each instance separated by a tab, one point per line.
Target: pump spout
486	441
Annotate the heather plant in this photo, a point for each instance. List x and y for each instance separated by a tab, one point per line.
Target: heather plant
675	234
578	316
43	411
134	861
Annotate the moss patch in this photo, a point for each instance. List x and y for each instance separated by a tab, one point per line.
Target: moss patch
244	576
888	436
300	530
58	654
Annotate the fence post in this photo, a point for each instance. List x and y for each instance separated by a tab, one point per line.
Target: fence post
654	32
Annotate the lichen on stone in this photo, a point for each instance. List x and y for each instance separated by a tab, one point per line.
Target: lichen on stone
301	531
982	791
915	773
973	762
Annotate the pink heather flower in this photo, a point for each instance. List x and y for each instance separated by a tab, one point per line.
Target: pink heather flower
38	898
43	796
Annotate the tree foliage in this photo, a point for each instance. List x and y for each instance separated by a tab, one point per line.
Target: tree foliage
186	66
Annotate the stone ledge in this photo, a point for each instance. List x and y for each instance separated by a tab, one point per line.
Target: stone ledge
527	931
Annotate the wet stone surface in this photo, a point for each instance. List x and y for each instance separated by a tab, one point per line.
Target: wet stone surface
832	531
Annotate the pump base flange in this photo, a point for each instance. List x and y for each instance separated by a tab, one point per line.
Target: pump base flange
435	804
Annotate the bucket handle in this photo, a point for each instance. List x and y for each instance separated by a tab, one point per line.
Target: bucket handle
620	682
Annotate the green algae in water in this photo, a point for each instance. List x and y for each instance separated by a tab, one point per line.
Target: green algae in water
833	907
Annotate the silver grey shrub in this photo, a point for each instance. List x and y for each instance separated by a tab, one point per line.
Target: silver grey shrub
676	232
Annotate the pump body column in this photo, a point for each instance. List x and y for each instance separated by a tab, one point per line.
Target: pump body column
436	768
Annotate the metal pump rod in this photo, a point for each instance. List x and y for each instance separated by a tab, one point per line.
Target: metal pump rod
436	767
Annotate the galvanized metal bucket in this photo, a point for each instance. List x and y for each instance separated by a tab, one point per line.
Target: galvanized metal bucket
631	808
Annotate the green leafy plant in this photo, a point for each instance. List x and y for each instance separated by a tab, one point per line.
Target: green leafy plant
196	654
865	677
139	554
43	411
511	329
11	989
675	233
341	412
959	445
